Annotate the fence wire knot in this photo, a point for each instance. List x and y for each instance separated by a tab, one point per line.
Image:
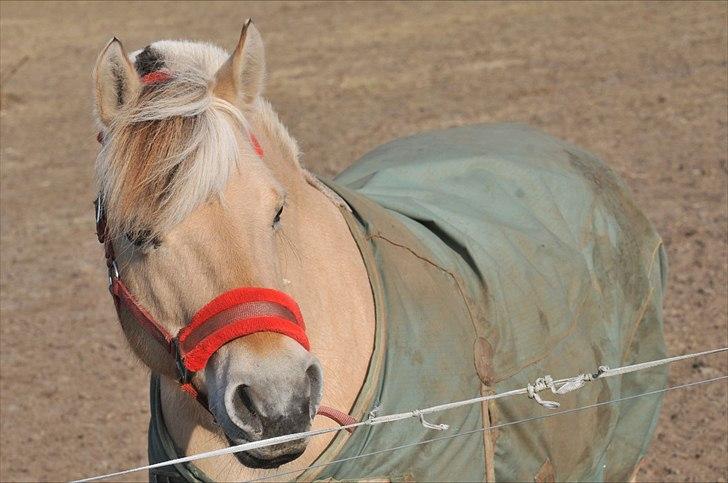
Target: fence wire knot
375	410
440	427
561	386
546	382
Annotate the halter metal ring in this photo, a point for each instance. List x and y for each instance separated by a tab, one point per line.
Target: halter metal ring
113	272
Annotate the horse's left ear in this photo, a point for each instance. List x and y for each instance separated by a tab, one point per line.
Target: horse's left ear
115	80
242	76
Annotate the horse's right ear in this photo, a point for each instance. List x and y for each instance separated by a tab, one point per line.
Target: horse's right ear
241	76
115	80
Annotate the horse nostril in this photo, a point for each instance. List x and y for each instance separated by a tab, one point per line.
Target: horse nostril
244	411
247	402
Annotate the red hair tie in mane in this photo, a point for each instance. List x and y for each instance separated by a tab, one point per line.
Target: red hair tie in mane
156	77
256	145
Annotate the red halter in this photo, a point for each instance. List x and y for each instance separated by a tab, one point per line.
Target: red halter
231	315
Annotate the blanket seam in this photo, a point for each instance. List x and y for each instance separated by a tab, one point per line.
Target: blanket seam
455	278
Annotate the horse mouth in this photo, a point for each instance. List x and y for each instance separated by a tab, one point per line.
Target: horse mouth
257	461
251	461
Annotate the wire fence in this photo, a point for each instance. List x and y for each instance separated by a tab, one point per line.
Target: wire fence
557	387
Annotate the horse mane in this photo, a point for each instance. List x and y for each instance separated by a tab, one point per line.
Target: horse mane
168	150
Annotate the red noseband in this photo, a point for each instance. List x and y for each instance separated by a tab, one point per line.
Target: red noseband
235	314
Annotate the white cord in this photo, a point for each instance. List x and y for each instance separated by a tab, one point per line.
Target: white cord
560	386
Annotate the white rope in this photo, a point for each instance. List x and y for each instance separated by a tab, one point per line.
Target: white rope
560	386
490	428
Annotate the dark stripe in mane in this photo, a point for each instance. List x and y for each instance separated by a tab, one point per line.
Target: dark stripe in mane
148	60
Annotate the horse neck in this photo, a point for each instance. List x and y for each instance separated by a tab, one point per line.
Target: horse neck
327	276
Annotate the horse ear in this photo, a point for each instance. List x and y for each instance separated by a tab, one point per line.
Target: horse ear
241	76
115	80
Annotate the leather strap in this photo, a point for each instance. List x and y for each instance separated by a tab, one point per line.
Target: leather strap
124	298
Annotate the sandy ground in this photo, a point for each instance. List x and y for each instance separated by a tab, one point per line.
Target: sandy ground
642	85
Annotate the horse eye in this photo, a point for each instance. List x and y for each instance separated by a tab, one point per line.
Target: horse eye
277	219
143	238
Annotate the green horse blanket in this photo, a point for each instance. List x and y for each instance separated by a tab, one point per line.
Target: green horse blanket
498	254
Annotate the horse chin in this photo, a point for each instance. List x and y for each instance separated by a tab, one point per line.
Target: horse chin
252	461
258	461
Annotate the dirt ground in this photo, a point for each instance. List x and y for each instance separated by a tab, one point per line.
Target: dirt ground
644	86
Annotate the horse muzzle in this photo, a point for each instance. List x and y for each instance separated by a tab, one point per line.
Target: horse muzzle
263	395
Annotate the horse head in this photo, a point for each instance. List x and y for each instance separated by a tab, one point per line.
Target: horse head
195	204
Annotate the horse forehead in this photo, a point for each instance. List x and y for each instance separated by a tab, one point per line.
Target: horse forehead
179	56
